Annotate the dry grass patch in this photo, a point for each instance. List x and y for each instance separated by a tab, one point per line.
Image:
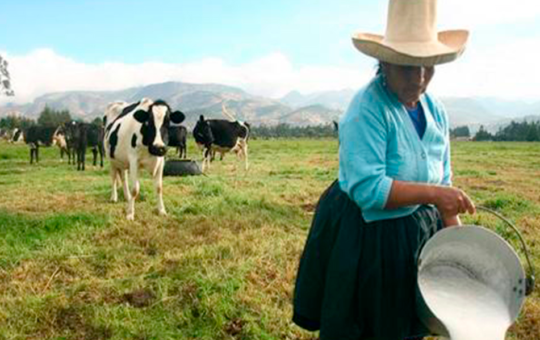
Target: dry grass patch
222	264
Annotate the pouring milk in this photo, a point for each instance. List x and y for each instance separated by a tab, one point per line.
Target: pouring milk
469	309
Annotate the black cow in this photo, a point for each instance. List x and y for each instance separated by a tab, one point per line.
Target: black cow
220	135
136	136
94	140
80	142
36	136
75	137
178	137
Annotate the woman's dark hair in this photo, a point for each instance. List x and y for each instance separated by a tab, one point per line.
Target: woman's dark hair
379	68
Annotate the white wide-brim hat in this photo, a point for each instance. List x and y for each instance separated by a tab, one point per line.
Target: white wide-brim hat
411	37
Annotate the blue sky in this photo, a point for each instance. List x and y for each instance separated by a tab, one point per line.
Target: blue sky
267	48
184	31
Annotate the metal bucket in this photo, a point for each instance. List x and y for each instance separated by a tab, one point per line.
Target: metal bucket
468	267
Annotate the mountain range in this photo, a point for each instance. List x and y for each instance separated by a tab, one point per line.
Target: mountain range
294	108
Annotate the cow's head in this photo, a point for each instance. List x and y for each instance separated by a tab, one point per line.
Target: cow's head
155	126
70	131
202	132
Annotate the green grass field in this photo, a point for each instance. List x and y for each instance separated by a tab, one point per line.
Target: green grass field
222	264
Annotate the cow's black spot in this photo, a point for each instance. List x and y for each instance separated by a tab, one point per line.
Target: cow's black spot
17	135
125	111
129	108
134	141
141	116
109	127
178	117
148	133
113	140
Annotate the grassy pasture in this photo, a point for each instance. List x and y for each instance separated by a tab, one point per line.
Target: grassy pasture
222	264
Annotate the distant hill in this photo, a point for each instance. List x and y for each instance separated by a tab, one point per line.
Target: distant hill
473	111
192	99
487	111
336	100
294	108
311	115
468	111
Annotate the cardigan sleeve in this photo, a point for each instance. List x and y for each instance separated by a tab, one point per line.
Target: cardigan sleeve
362	156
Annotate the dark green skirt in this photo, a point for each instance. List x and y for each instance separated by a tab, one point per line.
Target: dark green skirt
358	280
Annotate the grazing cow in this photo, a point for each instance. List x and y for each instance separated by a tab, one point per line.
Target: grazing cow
36	136
178	137
136	136
220	135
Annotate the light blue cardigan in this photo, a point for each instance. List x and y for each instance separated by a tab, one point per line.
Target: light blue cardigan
379	143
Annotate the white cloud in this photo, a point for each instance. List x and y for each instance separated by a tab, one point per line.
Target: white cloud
44	71
506	70
472	14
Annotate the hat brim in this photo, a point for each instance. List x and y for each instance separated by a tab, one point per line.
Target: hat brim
449	46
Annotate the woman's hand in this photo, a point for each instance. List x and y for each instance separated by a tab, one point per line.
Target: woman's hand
452	202
451	221
449	201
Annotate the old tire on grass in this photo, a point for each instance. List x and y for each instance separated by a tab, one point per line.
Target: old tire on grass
181	167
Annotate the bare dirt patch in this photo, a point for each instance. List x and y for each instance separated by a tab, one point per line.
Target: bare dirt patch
139	298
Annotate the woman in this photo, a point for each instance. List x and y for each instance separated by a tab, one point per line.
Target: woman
357	275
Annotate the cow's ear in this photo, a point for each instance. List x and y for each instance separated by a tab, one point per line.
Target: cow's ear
177	117
141	116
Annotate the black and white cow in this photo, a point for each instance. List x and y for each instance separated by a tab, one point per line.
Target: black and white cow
220	135
136	136
178	138
17	136
36	136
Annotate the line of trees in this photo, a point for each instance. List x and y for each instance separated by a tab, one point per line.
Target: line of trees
47	117
11	122
460	131
519	132
515	131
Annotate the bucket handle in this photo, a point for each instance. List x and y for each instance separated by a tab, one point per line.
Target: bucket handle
529	281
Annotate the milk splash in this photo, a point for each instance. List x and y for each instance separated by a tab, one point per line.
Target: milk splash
470	309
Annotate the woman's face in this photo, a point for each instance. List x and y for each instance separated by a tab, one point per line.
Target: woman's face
408	82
